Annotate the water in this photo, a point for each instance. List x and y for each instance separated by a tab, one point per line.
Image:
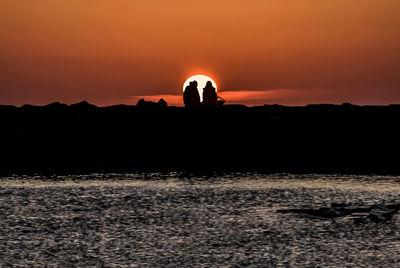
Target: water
114	220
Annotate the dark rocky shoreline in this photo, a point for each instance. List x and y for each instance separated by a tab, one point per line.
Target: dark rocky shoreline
358	213
80	138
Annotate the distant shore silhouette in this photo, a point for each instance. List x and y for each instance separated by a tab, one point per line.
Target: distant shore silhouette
82	137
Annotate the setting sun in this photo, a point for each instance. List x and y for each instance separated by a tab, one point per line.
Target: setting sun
201	83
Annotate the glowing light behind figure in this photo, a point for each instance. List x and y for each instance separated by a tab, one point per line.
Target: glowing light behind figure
201	83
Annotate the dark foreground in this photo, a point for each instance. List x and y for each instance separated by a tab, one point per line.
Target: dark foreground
84	138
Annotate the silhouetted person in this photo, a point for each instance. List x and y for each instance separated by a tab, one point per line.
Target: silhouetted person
191	96
209	95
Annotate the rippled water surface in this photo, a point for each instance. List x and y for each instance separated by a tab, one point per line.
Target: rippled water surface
108	220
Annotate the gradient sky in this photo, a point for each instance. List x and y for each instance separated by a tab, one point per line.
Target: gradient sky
290	52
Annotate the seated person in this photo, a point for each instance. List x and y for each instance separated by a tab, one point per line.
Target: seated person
209	95
191	96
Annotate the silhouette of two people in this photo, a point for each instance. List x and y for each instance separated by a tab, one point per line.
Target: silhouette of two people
191	96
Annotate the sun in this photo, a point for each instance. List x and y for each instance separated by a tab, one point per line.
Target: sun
201	83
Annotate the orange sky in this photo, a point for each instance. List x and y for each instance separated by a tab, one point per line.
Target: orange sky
290	52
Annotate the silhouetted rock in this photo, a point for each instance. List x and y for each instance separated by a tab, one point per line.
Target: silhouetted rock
141	103
56	106
381	215
146	104
83	105
28	107
376	213
191	96
151	104
119	108
7	108
348	105
162	103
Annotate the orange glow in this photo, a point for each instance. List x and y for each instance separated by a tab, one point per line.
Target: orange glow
250	98
105	51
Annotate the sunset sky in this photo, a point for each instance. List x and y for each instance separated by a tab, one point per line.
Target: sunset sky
290	52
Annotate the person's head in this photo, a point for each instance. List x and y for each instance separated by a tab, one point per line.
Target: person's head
209	84
193	83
